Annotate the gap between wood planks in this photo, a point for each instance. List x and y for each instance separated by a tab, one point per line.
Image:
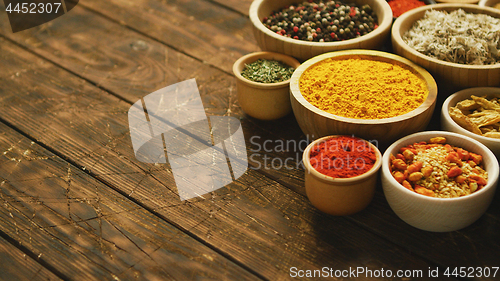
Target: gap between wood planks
110	92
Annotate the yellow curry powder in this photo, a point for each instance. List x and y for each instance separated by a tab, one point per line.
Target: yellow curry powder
362	88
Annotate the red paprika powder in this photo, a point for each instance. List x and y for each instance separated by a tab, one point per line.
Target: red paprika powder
400	6
343	157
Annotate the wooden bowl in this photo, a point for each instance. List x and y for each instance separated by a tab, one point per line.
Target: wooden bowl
339	196
458	75
439	214
316	123
448	124
303	50
488	3
265	101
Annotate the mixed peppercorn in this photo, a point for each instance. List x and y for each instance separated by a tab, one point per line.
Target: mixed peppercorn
322	21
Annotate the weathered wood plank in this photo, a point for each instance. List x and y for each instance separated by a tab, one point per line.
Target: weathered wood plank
255	220
16	265
85	230
242	6
201	29
273	131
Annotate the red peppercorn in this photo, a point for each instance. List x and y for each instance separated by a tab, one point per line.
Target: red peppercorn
295	29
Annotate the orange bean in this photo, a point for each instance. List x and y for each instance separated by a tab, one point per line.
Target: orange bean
399	177
399	164
454	171
476	158
463	154
439	140
453	158
416	176
427	171
424	191
408	155
480	180
407	185
460	179
415	167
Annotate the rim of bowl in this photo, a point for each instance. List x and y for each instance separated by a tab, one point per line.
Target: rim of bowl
384	25
446	114
263	55
425	137
427	77
482	3
312	170
396	33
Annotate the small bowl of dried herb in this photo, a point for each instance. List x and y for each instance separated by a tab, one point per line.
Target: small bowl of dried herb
262	81
457	43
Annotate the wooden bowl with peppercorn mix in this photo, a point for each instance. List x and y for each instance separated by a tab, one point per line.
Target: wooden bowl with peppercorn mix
264	93
461	53
317	27
474	112
370	94
341	174
439	181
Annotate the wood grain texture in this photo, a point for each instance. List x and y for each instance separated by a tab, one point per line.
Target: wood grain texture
255	221
16	265
201	29
264	223
459	75
241	6
87	231
303	50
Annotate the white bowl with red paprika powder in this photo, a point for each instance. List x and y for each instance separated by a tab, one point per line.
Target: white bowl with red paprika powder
439	181
341	173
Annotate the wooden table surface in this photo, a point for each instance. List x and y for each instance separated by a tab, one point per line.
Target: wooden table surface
75	204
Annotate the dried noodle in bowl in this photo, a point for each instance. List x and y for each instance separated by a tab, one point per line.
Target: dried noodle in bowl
478	115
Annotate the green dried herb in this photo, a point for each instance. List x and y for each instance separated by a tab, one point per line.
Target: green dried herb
267	71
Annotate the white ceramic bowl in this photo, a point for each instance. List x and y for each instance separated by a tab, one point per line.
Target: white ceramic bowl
448	124
458	75
439	214
316	123
339	196
265	101
303	50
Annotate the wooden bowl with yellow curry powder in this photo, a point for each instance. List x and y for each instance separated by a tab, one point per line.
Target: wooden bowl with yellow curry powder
370	94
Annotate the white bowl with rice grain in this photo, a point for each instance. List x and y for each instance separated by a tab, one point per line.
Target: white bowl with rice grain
433	213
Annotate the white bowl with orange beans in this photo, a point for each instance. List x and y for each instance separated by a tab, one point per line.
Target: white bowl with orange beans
439	181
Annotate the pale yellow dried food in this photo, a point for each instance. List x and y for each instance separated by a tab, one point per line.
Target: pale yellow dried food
478	115
464	121
495	135
467	105
484	118
486	104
